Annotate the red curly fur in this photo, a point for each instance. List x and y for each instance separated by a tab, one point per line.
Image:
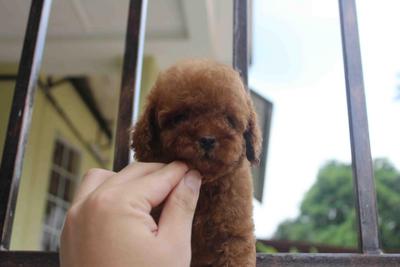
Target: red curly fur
195	99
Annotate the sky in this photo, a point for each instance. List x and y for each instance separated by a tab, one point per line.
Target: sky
298	65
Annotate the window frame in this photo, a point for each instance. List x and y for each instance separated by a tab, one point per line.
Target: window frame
58	200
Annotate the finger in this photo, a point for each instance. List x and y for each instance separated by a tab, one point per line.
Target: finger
177	216
152	189
136	170
90	182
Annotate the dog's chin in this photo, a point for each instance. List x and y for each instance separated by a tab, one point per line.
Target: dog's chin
211	168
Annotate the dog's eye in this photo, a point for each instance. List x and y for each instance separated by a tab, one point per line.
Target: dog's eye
231	121
179	118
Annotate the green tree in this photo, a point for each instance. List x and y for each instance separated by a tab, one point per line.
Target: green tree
327	212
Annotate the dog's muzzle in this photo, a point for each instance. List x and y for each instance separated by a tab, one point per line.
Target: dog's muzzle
207	143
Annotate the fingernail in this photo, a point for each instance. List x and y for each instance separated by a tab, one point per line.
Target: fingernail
192	180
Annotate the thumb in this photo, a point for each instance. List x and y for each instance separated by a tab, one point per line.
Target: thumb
176	218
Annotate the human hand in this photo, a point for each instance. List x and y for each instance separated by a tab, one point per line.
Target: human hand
109	222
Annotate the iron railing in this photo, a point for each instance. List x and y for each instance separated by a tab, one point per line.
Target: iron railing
20	117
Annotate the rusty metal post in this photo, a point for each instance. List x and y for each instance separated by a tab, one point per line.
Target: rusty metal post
131	78
240	39
365	193
21	114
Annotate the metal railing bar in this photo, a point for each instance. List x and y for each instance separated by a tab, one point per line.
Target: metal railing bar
50	259
29	259
131	78
365	193
327	260
21	114
240	39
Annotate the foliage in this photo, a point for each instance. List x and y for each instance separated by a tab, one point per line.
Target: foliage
260	247
327	213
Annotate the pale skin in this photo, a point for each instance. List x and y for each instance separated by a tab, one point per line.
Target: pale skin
109	222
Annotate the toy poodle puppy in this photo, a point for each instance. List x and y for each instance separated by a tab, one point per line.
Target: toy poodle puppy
199	112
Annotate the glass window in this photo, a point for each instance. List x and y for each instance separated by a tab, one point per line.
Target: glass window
63	178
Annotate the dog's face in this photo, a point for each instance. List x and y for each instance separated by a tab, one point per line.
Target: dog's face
198	112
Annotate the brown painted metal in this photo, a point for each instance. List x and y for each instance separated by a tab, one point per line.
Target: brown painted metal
327	260
130	85
285	246
50	259
20	116
358	123
240	39
28	259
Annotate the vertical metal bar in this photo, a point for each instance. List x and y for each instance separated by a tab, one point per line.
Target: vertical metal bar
358	124
20	116
131	78
240	41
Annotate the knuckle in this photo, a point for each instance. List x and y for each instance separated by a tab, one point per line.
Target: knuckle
70	220
71	215
100	201
92	172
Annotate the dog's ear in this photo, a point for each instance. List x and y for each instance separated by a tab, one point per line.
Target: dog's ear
145	135
253	138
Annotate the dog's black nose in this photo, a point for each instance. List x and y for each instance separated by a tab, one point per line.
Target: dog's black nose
207	142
